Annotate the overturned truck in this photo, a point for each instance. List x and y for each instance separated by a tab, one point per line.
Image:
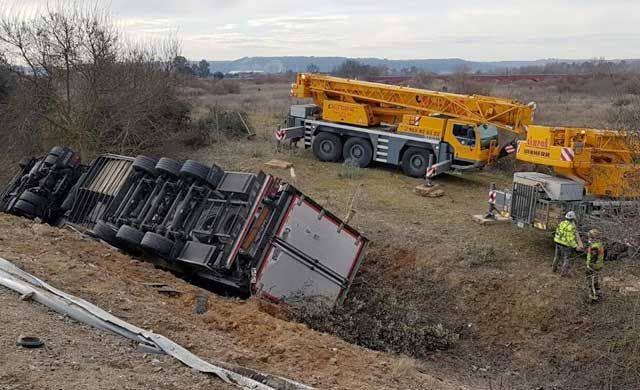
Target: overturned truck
246	233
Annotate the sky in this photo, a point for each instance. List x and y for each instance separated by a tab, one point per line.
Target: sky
399	29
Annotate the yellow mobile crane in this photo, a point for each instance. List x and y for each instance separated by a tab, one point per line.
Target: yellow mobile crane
406	127
597	176
403	126
605	161
413	128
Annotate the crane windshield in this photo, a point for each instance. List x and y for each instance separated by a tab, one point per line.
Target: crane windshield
487	133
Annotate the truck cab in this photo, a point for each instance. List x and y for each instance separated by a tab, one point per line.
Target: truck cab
471	144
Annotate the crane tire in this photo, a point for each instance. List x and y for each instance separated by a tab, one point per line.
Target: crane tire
327	147
415	161
359	150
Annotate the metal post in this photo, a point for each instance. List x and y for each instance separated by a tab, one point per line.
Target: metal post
428	173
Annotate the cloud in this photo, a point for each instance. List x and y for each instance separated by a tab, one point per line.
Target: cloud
228	26
471	29
147	26
292	22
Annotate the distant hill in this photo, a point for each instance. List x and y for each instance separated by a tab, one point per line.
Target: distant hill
327	64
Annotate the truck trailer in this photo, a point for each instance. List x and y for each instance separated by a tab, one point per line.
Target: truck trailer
244	233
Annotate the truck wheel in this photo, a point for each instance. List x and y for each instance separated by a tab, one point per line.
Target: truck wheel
168	167
415	161
327	147
129	235
194	170
57	151
145	164
31	204
25	209
157	244
359	150
105	232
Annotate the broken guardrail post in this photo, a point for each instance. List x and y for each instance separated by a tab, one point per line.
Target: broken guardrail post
430	172
491	202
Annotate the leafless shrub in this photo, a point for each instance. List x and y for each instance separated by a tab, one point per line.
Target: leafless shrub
462	83
350	169
215	124
632	85
382	321
196	86
423	80
93	90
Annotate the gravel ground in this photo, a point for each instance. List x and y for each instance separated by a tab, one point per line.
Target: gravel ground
75	356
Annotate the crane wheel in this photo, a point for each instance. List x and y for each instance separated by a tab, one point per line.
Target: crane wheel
359	150
327	147
415	161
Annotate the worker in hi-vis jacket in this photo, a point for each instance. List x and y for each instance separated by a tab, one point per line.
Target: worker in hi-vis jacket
567	241
594	264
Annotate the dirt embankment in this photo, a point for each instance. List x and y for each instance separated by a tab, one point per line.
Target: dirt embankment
242	332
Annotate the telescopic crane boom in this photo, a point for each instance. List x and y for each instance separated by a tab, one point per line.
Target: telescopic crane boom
384	103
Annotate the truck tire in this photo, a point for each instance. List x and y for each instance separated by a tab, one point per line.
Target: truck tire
157	244
40	203
146	165
194	170
26	209
415	161
168	167
129	235
57	151
54	154
105	232
359	150
51	159
327	147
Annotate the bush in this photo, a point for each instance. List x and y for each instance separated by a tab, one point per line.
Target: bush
89	90
216	124
353	69
384	321
632	86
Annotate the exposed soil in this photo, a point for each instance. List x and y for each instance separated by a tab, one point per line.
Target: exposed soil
243	332
75	356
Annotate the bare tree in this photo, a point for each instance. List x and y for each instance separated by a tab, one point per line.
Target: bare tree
96	91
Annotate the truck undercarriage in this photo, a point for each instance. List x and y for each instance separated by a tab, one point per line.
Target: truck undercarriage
244	233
